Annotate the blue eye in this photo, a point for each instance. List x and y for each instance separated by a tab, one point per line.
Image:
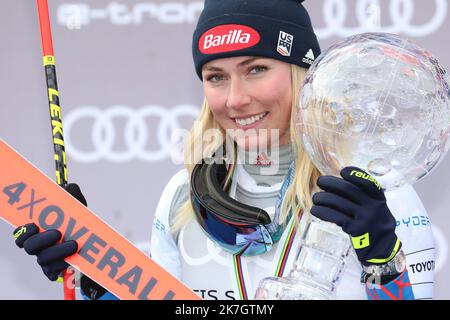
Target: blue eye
258	69
214	78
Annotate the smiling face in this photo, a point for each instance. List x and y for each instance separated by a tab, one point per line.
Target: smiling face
250	94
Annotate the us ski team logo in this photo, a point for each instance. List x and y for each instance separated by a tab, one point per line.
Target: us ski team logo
309	57
285	41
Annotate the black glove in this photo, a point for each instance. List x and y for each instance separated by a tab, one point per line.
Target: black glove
358	205
50	253
45	245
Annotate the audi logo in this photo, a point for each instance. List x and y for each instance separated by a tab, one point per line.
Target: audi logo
136	132
401	12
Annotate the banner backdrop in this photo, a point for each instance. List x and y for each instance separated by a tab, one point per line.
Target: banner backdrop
127	83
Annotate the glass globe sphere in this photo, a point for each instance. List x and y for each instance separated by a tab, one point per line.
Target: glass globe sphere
378	102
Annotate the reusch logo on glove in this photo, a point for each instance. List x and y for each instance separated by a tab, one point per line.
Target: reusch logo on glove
365	176
228	37
20	232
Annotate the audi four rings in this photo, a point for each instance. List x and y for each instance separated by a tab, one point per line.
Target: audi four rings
136	132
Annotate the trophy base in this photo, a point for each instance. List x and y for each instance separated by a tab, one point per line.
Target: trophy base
291	289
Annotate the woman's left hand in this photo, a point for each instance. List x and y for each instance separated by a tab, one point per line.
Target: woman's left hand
358	205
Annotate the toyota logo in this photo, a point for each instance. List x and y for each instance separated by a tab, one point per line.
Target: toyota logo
136	132
401	12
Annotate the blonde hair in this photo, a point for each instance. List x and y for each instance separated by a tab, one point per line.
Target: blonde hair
298	195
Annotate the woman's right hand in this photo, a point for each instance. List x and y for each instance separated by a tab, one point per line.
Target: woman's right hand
51	253
46	247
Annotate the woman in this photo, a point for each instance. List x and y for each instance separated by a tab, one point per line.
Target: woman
252	57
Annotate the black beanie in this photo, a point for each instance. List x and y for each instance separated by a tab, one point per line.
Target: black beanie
278	29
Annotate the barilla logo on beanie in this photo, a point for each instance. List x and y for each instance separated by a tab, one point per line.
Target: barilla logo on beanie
228	37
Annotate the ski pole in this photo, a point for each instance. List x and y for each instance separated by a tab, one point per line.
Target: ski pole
55	120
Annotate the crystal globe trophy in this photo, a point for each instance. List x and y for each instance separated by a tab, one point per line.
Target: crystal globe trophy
375	101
